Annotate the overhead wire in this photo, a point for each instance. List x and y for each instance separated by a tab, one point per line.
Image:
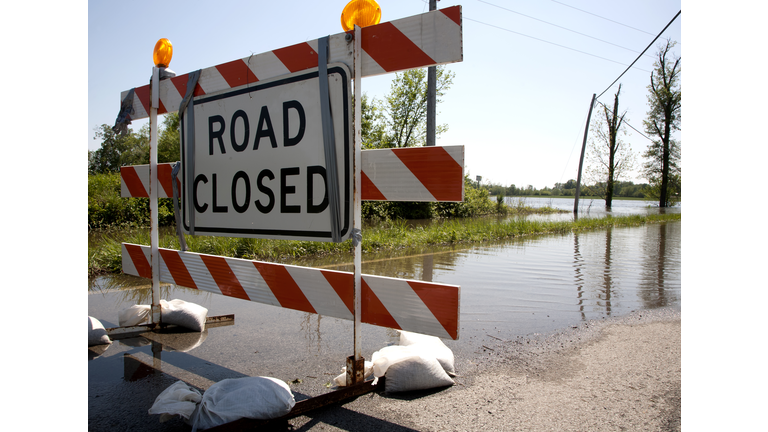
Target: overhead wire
546	41
638	57
628	124
601	17
558	26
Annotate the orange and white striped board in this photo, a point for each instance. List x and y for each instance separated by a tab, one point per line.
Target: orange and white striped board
406	174
429	39
413	174
421	307
134	181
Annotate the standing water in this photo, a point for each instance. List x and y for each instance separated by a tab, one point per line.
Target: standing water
508	288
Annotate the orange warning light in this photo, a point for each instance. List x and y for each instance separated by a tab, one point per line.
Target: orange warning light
163	53
361	12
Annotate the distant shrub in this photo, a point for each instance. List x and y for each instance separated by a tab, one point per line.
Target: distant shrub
106	208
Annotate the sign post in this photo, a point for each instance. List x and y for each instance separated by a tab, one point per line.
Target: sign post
154	240
358	368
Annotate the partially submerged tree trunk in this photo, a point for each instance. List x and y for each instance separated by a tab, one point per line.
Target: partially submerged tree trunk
614	125
665	102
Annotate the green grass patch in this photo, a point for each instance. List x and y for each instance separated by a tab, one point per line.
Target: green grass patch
105	256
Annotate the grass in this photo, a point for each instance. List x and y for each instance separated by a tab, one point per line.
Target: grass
105	256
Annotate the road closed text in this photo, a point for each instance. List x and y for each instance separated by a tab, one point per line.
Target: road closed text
258	162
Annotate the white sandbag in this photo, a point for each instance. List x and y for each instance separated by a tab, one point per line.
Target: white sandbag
410	338
97	334
184	314
178	399
341	380
387	356
232	399
430	346
134	315
415	373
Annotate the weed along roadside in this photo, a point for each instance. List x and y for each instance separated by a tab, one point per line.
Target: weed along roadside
104	256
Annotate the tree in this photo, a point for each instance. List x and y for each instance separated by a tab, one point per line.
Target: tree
117	150
372	124
168	141
405	108
133	148
610	158
665	103
400	121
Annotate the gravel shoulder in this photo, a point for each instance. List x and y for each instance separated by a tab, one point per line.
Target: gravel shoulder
617	374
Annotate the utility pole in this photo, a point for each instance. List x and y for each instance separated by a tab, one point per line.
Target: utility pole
581	161
431	94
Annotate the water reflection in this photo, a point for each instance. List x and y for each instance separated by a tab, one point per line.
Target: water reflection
552	281
578	263
132	290
312	334
607	278
522	285
658	267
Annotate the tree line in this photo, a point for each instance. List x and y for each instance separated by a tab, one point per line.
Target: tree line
624	189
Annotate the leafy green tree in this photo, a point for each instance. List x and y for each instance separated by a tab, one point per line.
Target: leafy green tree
662	165
117	151
610	158
400	121
168	140
403	112
133	148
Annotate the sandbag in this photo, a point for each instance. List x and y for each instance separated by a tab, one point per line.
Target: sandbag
178	399
184	314
430	346
259	398
134	315
341	380
97	334
387	356
415	373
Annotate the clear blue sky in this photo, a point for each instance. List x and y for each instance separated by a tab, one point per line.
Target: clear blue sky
519	100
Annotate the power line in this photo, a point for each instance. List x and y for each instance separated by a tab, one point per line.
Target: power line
558	26
551	43
601	17
638	57
627	123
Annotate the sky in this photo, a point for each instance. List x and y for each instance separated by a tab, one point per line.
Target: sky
518	105
519	99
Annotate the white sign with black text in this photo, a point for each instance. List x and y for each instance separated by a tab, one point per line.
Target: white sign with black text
259	163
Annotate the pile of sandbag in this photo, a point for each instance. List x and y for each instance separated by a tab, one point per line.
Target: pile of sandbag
420	362
97	334
259	398
177	312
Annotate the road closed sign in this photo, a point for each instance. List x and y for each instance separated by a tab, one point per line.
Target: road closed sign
257	162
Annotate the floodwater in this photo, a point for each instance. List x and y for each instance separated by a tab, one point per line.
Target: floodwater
539	284
508	289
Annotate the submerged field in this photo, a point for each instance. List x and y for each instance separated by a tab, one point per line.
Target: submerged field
105	255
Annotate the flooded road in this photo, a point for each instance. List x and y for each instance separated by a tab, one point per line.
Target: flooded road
539	284
508	289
